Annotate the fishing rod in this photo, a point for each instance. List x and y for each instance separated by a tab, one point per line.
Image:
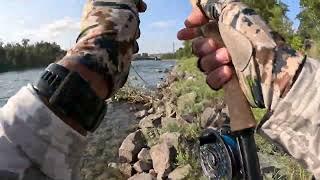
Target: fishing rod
230	154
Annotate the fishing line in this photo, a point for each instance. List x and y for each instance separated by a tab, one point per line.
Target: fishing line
140	76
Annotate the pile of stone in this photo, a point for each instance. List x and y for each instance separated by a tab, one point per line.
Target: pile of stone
147	154
140	161
140	158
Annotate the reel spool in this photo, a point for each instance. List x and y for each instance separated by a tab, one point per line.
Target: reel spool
219	156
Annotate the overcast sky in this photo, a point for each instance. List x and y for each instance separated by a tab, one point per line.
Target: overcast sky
58	20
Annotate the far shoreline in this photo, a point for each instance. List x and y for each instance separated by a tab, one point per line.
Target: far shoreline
21	69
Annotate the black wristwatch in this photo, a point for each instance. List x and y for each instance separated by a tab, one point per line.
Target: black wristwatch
69	94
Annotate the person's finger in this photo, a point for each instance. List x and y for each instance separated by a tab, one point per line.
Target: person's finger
142	7
196	18
204	46
214	60
189	33
219	77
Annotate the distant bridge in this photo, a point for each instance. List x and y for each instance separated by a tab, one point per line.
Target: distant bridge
139	57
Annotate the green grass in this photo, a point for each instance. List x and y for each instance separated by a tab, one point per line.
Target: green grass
204	93
198	85
191	132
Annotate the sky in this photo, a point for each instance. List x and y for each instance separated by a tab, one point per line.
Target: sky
59	20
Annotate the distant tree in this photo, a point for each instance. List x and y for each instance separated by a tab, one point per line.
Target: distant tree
25	55
168	56
310	19
309	28
25	42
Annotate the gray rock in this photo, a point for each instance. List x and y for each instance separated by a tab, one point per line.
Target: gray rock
169	109
160	85
160	110
171	78
142	166
144	155
131	146
143	176
269	164
153	120
163	157
208	116
113	165
171	139
151	110
181	74
125	169
188	118
180	173
141	114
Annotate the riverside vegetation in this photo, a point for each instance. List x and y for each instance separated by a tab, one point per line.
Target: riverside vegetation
164	143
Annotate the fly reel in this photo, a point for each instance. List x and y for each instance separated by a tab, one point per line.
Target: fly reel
219	155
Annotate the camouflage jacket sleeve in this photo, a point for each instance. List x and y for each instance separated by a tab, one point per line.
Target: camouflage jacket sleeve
109	29
294	121
274	76
35	143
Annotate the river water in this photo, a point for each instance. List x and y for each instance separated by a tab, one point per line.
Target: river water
152	73
119	121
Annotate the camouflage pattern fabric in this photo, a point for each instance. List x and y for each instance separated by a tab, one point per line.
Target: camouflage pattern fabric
109	29
265	66
34	143
293	124
274	76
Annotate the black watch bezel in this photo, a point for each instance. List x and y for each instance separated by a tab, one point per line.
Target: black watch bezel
69	94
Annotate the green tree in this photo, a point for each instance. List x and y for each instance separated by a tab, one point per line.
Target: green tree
185	51
25	55
310	19
309	28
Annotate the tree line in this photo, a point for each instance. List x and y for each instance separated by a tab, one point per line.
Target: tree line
14	56
306	38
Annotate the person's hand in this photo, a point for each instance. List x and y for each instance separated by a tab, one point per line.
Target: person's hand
106	81
213	60
98	83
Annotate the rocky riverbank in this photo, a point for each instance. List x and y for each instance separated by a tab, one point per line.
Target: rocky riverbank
155	136
164	144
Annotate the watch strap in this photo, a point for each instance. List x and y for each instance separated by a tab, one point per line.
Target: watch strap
69	94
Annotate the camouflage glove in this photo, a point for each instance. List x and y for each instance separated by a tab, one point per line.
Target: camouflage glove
107	41
265	66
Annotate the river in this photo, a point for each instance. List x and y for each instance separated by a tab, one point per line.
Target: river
152	73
